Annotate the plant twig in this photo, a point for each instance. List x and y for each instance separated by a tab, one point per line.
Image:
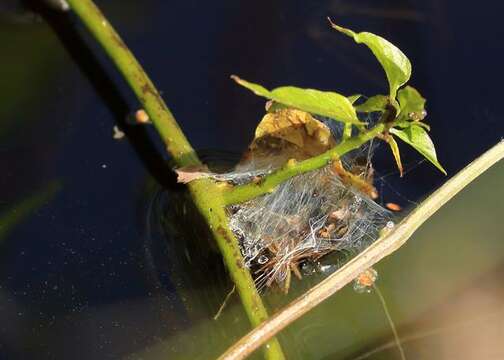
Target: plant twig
384	246
15	214
206	195
124	60
242	193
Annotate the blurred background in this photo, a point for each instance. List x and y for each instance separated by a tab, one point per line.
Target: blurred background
90	267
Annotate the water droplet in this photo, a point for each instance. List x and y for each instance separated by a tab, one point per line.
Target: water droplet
263	259
326	268
355	205
308	268
360	289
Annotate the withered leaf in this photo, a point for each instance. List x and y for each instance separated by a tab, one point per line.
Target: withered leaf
356	181
292	133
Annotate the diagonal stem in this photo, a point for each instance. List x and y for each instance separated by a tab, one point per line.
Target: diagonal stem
162	118
242	193
384	246
206	195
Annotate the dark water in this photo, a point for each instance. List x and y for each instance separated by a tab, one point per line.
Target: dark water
84	272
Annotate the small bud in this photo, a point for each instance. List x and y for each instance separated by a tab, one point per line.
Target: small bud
291	162
142	117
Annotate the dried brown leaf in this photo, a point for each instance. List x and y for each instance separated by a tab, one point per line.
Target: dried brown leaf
290	134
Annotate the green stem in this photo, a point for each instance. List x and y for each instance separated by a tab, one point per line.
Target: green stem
206	195
242	193
164	121
347	131
18	212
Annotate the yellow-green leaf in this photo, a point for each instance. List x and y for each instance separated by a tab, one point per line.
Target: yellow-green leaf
374	103
395	151
418	138
324	103
396	65
411	104
354	98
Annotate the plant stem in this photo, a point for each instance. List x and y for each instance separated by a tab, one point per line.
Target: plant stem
347	131
164	121
206	195
242	193
384	246
16	213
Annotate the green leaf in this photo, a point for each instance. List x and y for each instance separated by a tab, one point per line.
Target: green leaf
354	98
405	124
396	65
418	138
273	106
330	104
374	103
411	104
